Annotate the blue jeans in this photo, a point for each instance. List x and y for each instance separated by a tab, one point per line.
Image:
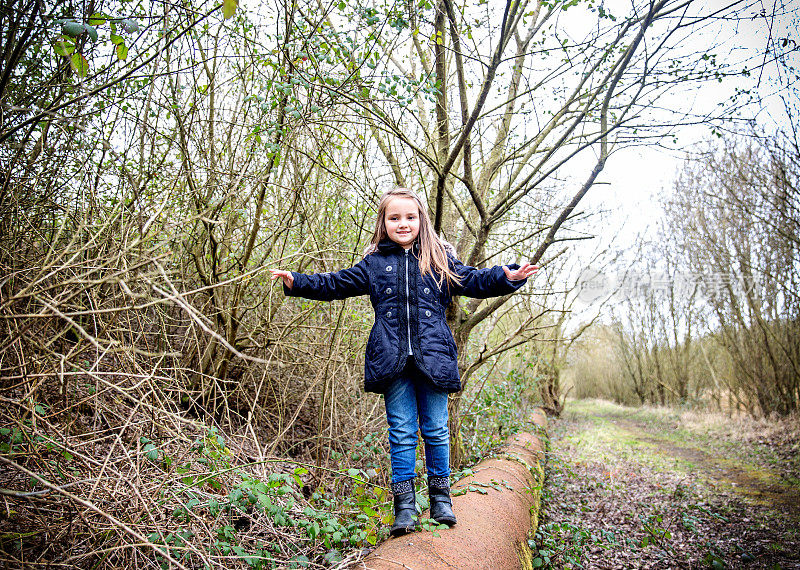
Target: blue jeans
413	402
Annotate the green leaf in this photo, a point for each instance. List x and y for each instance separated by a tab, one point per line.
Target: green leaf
122	52
91	31
150	451
116	40
79	64
65	47
97	19
302	560
16	436
213	507
229	8
73	28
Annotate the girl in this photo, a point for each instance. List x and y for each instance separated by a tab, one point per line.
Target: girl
410	275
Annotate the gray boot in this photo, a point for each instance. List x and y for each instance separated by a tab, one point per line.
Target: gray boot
405	508
441	504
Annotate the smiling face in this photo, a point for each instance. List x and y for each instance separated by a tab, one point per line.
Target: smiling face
402	221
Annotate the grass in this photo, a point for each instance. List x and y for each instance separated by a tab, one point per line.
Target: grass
763	450
610	444
656	487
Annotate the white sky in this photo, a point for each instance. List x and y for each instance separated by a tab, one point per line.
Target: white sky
638	177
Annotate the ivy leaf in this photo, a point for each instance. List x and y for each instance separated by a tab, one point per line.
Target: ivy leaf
65	46
122	52
73	28
91	31
151	451
79	64
229	8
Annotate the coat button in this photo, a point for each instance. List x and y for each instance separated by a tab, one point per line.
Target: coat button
427	313
388	290
388	268
426	290
388	314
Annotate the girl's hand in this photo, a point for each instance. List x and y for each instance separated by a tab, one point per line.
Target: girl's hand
288	278
522	273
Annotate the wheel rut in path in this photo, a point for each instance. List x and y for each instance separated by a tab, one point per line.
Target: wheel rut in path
720	470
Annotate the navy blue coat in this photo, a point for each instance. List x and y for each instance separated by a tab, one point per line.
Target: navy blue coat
409	310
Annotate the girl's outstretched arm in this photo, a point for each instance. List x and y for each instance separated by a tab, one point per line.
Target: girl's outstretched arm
349	282
288	278
522	273
490	281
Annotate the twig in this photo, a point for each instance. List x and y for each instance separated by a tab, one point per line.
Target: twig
91	506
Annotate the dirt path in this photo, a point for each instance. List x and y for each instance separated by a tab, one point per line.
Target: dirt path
628	489
767	492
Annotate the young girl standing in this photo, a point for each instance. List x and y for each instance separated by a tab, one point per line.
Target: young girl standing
410	275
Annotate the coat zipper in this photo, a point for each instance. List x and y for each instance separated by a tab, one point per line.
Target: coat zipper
408	308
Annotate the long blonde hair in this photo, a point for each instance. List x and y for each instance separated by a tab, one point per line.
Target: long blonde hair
432	249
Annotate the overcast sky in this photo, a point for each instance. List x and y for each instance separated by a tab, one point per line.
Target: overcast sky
636	178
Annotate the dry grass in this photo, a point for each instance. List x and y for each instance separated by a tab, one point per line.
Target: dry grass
632	488
734	423
117	450
112	496
769	443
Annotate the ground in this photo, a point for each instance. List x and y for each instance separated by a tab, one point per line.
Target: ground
659	488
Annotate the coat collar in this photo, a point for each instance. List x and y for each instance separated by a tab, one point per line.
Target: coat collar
388	246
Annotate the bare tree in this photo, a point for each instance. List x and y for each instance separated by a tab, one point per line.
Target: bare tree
735	213
485	107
